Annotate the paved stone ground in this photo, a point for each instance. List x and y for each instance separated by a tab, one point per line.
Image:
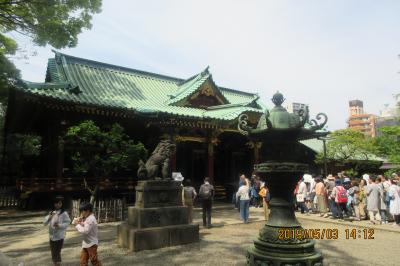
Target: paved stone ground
24	239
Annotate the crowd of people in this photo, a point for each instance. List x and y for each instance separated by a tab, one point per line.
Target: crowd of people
251	192
376	198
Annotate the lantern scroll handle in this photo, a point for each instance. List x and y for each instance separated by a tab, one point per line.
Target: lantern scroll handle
242	124
315	125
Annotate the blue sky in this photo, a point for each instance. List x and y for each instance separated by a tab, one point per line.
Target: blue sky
323	53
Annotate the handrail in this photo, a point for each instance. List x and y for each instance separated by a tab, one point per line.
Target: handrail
72	184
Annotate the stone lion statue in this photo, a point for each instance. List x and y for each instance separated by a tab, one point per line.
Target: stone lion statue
158	164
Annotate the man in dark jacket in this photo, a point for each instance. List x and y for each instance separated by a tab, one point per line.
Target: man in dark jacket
206	194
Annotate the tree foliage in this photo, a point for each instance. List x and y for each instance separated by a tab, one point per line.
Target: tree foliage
54	22
100	152
348	144
21	149
388	144
351	149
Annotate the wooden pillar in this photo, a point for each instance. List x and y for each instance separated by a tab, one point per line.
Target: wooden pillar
172	137
210	171
45	158
173	159
60	158
52	156
257	146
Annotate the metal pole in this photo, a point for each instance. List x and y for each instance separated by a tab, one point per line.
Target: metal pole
325	163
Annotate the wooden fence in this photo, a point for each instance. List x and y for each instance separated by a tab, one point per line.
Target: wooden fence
7	198
107	210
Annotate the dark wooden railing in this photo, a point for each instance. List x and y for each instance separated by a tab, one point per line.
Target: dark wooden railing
73	184
7	198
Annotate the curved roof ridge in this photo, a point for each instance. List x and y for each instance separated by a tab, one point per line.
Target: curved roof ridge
116	67
238	91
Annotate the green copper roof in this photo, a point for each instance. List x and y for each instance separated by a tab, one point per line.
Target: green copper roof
87	82
191	85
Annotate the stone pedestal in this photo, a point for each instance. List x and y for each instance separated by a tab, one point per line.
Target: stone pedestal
158	218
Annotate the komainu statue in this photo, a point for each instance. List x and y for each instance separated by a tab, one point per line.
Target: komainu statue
158	164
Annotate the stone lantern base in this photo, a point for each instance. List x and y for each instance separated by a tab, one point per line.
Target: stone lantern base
272	247
282	253
158	218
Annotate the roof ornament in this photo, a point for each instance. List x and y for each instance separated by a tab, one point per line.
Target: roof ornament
278	98
278	118
74	89
314	124
205	71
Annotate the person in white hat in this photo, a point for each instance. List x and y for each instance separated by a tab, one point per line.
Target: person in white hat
331	202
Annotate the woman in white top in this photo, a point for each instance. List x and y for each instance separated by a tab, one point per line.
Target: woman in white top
58	221
243	195
394	205
301	196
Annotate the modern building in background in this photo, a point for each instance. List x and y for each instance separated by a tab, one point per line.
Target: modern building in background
361	121
356	107
388	116
294	108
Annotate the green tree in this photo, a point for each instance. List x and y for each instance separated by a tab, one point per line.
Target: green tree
388	144
350	147
54	22
100	152
20	149
345	144
8	74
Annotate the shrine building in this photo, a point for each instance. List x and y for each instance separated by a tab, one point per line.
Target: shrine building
198	115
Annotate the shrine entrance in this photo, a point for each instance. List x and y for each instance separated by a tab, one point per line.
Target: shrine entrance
191	161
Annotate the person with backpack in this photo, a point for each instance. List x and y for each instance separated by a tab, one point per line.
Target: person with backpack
347	185
188	197
58	221
242	195
206	194
339	194
373	200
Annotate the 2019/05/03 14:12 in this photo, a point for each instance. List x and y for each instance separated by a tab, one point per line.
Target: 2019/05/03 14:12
359	234
300	233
